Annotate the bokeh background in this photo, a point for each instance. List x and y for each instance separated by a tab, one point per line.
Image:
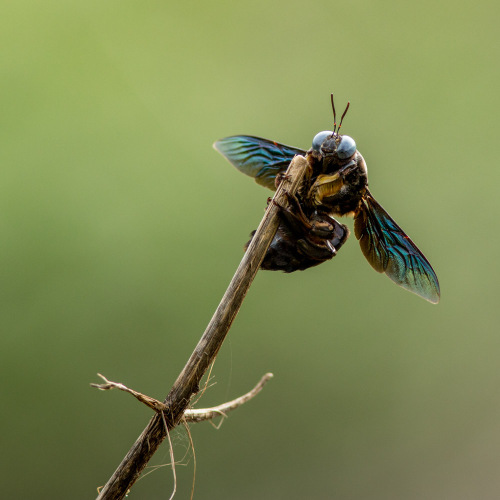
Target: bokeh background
120	228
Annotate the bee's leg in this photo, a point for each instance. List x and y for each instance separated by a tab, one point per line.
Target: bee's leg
320	225
294	215
295	206
280	177
300	224
324	240
318	237
316	251
339	235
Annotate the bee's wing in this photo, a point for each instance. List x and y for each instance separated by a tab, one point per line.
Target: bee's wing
389	250
257	157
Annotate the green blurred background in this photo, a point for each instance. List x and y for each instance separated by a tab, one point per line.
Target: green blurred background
121	228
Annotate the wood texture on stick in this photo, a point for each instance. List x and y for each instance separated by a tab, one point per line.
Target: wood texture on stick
187	383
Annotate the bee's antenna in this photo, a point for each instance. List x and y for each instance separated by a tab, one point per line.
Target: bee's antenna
334	116
343	114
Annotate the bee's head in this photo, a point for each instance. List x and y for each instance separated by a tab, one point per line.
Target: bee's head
331	143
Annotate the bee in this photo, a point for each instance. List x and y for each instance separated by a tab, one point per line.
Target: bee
335	184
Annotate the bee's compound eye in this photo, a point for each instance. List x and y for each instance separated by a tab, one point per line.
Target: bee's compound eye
319	138
346	148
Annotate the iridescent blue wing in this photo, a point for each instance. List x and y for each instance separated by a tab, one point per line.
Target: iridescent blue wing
389	250
257	157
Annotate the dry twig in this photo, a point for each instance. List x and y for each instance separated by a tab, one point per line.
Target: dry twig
152	403
201	414
187	384
190	414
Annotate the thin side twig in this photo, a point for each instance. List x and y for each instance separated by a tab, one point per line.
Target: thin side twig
152	403
190	414
201	414
187	383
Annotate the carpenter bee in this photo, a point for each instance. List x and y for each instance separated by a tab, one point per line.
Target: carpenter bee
336	184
